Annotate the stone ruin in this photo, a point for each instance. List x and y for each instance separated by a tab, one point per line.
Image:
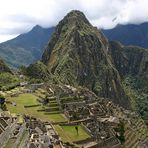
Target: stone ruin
102	132
7	128
41	134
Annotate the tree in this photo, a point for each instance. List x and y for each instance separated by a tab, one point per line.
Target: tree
77	130
2	100
2	103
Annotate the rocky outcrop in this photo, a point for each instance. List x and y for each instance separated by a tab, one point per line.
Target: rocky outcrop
131	61
77	54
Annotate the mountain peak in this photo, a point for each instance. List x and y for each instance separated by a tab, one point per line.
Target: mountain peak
36	28
77	55
75	13
74	18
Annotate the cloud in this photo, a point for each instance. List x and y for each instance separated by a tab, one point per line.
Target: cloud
19	16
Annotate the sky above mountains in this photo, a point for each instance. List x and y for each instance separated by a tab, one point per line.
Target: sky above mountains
19	16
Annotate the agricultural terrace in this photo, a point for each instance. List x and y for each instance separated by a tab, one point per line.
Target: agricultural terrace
27	104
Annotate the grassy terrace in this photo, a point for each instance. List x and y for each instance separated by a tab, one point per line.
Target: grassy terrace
69	134
40	92
30	99
70	99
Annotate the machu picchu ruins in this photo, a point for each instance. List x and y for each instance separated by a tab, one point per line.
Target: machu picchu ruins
82	90
106	124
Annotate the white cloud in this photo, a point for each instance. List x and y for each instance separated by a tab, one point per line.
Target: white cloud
6	37
19	16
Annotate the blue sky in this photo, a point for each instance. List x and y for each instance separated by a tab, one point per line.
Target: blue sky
19	16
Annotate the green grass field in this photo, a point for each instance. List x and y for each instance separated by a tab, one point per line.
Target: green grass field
69	134
30	99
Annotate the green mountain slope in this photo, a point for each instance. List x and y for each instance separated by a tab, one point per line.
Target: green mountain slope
77	54
131	61
7	79
4	67
26	48
132	64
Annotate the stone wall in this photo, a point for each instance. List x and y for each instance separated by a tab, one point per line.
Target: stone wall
19	136
4	137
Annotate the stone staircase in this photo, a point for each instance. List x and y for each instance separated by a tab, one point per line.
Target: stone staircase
134	134
53	106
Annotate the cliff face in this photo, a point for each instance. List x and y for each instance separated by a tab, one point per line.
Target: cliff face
132	64
77	54
131	61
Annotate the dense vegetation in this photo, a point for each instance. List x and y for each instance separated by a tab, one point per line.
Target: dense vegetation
139	98
4	67
37	72
2	103
8	81
120	129
132	64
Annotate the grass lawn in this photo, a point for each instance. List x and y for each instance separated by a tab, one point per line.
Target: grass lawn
21	100
20	119
44	115
69	134
30	99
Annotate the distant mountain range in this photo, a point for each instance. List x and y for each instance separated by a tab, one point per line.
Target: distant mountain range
79	54
28	48
129	34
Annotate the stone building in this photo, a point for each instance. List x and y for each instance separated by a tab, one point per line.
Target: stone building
7	126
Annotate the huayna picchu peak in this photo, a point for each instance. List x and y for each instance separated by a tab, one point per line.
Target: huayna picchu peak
77	54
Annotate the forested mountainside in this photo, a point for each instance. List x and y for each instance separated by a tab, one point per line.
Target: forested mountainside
26	48
129	34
